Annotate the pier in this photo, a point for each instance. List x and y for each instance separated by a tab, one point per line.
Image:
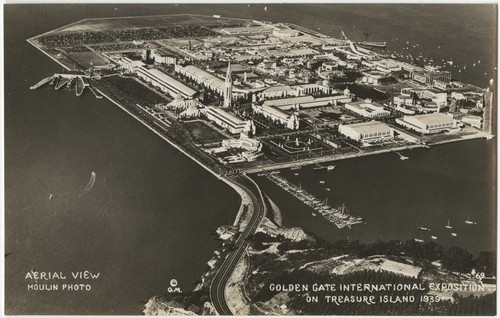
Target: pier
81	83
96	94
337	216
62	82
41	83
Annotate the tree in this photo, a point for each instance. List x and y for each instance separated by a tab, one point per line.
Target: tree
457	259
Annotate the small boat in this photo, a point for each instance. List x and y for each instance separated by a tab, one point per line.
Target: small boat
434	237
50	196
328	189
468	221
419	240
322	182
296	174
424	228
448	226
314	214
402	157
454	234
330	168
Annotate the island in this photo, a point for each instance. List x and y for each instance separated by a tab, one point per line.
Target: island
243	97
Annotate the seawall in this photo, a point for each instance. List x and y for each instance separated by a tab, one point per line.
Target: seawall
245	198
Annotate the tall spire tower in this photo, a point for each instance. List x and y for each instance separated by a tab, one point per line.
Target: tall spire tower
228	88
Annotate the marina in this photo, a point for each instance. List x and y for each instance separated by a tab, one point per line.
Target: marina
337	216
78	80
391	197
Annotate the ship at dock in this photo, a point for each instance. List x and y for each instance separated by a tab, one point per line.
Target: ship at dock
372	44
338	216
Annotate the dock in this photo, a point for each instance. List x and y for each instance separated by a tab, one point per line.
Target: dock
62	82
41	83
96	94
337	216
80	86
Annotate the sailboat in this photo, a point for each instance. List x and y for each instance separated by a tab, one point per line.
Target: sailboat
448	226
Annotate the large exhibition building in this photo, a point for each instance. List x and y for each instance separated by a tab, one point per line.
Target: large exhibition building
428	123
368	131
165	83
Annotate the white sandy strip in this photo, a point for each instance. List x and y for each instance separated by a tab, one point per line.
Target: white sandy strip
245	198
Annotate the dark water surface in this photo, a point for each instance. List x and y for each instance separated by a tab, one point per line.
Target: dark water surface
448	182
149	215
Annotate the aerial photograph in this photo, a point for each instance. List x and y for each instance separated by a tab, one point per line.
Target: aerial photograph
250	159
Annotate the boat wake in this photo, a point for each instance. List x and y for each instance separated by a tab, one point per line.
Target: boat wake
90	184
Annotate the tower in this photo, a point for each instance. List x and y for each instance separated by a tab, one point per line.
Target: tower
228	87
488	112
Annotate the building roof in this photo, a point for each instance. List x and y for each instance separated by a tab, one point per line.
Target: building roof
366	105
433	119
159	75
277	88
226	116
289	101
276	112
210	79
368	127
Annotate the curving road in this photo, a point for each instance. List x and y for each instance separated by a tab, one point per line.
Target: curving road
218	285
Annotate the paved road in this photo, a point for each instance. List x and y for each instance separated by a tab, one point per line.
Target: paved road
218	285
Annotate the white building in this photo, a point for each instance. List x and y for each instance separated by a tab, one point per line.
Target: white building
428	123
474	121
406	100
163	57
225	119
181	103
251	149
303	102
369	131
437	96
129	65
165	83
209	80
367	109
283	91
291	121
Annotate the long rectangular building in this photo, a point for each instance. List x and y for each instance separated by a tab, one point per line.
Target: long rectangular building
368	131
165	83
225	119
428	123
291	121
367	110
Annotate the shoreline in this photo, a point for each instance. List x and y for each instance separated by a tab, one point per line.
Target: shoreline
244	197
333	158
50	56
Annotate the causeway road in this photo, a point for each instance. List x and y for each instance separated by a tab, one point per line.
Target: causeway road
218	285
